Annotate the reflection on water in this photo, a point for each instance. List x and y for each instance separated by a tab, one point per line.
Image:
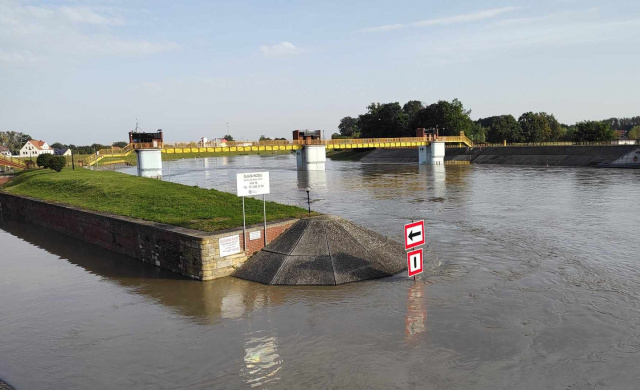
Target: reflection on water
536	286
416	317
261	359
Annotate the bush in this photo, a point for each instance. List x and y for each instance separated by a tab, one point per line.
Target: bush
57	163
44	160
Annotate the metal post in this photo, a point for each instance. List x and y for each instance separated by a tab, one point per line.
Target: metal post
308	199
244	227
264	210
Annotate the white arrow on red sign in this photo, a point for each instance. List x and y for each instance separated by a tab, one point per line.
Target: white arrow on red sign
413	235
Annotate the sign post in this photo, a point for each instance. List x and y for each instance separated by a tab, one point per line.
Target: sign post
414	237
250	184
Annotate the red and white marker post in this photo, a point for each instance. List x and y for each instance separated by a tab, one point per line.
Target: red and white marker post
414	237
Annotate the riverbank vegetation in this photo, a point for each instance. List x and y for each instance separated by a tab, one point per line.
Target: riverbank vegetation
391	120
148	199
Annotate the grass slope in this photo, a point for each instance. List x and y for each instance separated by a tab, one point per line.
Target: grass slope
148	199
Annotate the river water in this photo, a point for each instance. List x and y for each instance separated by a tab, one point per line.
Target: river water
535	285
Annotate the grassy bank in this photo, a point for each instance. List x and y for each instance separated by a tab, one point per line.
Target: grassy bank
148	199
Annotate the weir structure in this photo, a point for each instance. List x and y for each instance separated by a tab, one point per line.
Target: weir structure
310	148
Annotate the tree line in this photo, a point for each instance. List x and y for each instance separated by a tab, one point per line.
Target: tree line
392	120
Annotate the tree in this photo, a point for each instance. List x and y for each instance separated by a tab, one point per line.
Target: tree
634	133
450	118
14	140
478	133
349	127
24	138
263	138
228	137
57	145
383	121
589	131
502	128
44	160
119	144
556	130
57	163
537	127
412	108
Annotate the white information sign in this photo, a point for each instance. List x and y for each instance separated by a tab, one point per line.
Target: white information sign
254	235
229	245
249	184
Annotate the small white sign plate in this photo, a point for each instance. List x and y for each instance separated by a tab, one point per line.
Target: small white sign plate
249	184
254	235
229	245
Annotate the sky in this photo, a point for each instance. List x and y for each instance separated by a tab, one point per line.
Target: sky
82	71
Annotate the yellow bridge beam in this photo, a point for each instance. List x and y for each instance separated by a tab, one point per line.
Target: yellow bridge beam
280	145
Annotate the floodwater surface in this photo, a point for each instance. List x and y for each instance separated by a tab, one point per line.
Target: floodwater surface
535	284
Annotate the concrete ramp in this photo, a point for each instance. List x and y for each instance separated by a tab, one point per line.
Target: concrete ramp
324	250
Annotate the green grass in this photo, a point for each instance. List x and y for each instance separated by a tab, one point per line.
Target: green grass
148	199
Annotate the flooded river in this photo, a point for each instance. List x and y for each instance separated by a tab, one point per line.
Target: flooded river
536	285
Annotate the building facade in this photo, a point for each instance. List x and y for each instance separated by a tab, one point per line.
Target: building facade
34	148
4	151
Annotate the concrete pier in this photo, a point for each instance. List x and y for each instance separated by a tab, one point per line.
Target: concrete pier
311	158
432	154
150	163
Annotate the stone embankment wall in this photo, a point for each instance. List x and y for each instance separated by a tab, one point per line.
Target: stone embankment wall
189	252
567	156
559	156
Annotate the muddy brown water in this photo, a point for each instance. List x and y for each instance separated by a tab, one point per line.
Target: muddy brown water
537	285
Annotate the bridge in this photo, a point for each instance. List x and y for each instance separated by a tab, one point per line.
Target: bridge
311	152
301	146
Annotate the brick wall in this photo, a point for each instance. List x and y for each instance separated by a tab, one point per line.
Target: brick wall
189	252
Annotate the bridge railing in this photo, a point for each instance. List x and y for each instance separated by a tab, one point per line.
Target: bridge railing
347	141
111	152
567	143
12	162
456	138
218	144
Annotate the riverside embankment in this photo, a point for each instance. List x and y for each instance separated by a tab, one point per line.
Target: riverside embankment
560	156
192	231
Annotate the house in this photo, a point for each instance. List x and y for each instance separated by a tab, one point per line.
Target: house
34	148
62	152
4	151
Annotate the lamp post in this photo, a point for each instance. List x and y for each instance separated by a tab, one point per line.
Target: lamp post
308	198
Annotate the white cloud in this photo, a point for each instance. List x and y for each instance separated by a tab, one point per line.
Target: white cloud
457	19
280	50
86	15
17	58
30	34
151	86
